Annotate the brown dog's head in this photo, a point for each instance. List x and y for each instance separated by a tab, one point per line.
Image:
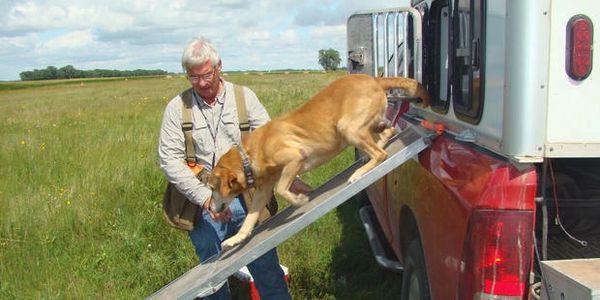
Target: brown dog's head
423	94
227	180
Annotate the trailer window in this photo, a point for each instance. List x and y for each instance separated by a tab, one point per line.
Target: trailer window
467	59
439	22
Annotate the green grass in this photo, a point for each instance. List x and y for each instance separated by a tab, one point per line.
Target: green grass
81	191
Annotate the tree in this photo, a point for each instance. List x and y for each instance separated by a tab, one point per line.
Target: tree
51	72
27	75
329	59
68	71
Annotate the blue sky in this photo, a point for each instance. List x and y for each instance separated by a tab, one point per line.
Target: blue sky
151	34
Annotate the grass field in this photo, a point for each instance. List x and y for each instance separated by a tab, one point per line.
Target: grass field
81	191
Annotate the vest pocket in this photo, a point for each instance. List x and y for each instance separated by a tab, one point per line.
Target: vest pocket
203	140
231	130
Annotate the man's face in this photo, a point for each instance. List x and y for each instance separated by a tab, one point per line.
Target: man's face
205	80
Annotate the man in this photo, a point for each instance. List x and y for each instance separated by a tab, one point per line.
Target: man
215	130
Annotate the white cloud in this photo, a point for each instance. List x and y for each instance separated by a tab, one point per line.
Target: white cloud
251	37
70	41
288	37
17	43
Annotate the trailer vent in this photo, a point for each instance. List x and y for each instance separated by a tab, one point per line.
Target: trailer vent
579	47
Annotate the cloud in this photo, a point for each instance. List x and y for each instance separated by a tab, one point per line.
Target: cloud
253	37
313	13
288	37
15	44
70	41
20	15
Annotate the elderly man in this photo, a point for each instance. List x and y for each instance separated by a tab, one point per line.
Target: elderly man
215	130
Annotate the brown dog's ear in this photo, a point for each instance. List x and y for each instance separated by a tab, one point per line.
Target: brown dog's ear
235	182
232	181
213	182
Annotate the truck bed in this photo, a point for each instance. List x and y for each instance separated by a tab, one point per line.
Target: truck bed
560	246
573	193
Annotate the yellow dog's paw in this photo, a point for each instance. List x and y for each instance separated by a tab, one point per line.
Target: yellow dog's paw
298	200
233	241
354	177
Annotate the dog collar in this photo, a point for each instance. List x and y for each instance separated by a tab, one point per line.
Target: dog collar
247	169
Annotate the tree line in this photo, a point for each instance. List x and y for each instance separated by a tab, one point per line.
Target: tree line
70	72
329	59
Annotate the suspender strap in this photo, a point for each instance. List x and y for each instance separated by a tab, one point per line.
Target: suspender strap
240	102
187	126
241	108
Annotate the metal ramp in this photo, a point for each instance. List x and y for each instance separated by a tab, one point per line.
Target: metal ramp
208	277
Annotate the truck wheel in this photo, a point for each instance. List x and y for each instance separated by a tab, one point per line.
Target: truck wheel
415	285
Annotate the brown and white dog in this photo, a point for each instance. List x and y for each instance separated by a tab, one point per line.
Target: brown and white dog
346	112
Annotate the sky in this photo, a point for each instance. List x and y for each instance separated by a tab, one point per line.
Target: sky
151	34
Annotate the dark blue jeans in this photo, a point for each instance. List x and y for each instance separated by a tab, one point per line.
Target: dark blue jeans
268	275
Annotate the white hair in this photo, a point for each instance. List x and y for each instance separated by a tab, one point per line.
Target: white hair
197	52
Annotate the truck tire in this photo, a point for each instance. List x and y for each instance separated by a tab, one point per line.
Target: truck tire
415	285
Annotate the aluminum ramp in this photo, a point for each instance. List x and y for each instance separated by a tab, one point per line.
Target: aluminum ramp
206	278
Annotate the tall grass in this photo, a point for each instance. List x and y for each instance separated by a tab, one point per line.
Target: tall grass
80	196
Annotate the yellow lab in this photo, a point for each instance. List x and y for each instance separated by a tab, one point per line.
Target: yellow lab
347	112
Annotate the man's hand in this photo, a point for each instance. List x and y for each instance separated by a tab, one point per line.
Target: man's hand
221	217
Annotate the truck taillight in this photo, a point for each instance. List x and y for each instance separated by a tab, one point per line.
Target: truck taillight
580	37
497	255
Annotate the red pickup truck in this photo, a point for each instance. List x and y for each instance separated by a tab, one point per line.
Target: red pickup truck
513	179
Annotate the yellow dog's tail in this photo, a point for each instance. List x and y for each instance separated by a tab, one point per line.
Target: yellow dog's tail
412	87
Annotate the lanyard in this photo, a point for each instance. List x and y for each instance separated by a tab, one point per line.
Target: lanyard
213	133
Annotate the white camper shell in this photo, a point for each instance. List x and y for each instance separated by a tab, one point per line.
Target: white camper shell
526	106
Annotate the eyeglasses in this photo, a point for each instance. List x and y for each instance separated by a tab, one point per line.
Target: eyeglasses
204	77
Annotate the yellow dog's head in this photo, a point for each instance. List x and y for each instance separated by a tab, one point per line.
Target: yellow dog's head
227	180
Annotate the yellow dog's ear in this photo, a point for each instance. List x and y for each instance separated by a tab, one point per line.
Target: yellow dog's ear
236	181
216	181
232	180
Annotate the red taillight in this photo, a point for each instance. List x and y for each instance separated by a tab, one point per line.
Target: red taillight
580	35
497	255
